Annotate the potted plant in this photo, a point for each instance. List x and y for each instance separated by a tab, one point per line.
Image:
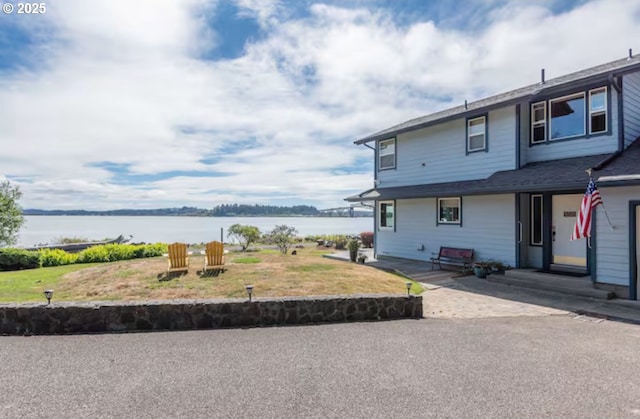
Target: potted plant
481	269
353	250
495	266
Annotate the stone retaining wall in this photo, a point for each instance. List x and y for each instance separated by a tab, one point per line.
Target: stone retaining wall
97	317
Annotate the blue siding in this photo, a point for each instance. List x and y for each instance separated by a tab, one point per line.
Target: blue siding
631	104
585	146
525	129
488	227
438	153
612	249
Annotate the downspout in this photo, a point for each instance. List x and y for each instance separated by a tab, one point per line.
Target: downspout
375	183
617	85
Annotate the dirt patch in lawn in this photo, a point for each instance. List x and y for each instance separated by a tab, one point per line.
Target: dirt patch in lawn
274	275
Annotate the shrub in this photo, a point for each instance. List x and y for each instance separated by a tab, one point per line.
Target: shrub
340	242
69	240
367	239
56	257
244	234
282	236
94	254
15	259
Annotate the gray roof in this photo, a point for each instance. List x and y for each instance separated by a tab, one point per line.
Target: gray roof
554	175
594	73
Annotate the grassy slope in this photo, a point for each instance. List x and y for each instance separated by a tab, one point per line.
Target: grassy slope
272	274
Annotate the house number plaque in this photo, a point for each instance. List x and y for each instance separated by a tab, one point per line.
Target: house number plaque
569	213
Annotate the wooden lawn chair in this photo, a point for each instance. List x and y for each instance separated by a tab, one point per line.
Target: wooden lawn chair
214	256
178	258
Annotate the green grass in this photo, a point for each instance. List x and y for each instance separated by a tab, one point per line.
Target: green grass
247	259
29	284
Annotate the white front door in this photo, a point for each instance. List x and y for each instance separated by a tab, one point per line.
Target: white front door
565	209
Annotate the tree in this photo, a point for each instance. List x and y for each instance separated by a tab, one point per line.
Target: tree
243	234
282	236
11	218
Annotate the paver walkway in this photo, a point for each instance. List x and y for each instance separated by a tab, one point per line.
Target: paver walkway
449	295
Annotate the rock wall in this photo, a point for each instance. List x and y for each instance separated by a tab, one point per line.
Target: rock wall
97	317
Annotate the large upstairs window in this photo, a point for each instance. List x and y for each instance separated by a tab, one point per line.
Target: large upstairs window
580	114
567	117
387	154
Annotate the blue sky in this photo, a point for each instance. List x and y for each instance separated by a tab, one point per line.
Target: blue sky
113	104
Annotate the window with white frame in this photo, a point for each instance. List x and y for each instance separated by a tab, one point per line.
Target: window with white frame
539	122
387	215
567	117
598	110
477	134
448	210
387	154
536	220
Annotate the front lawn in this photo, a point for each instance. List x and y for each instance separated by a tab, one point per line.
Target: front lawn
272	274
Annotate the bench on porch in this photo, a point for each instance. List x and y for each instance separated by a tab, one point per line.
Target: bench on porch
453	256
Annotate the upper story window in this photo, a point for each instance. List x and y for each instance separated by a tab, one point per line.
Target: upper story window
477	134
598	110
539	122
577	115
567	117
387	154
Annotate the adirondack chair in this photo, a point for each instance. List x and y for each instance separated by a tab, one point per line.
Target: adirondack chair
178	258
214	256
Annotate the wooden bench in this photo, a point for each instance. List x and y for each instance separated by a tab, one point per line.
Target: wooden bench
453	256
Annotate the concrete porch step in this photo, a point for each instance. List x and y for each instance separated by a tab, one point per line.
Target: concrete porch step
551	282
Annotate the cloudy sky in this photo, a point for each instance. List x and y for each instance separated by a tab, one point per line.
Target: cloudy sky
145	104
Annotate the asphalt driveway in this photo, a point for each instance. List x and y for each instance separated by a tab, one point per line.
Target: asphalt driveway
537	367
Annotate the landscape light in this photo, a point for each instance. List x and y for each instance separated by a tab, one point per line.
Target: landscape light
408	284
249	291
48	294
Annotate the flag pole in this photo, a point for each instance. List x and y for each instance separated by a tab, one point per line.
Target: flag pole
602	204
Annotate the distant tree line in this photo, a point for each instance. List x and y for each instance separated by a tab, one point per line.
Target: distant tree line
234	210
225	210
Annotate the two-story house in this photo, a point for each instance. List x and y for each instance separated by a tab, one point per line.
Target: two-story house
506	175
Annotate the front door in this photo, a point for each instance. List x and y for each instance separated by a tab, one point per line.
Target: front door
565	209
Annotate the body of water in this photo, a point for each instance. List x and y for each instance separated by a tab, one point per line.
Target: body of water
45	228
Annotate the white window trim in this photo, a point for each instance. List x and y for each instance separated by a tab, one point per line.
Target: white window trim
380	226
605	111
543	122
531	242
571	96
457	198
484	134
395	153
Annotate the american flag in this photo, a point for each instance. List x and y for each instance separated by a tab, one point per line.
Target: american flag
590	200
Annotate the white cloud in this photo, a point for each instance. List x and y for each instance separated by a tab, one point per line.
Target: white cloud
126	85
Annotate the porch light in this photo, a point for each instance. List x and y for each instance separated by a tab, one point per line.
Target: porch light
48	294
249	289
408	284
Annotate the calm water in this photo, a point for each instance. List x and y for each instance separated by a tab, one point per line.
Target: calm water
44	229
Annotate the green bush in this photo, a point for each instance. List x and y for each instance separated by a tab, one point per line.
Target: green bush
94	254
15	259
56	257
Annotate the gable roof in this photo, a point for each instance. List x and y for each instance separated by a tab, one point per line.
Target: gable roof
554	175
602	72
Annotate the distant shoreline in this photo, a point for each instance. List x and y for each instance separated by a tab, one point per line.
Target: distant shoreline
200	216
